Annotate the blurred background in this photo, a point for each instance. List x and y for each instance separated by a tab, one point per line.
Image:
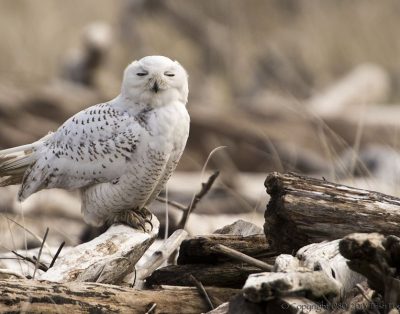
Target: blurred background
275	85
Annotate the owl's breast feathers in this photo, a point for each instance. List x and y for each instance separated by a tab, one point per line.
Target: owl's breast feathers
97	144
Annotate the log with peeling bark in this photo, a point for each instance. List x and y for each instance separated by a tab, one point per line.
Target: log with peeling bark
31	296
305	210
199	249
221	275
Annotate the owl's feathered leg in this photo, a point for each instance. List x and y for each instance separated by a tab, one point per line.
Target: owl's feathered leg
135	218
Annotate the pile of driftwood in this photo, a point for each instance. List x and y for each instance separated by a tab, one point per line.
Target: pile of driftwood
325	248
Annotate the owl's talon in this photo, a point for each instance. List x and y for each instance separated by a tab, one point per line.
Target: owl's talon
136	219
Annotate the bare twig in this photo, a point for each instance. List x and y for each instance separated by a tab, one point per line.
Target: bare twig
222	249
30	232
205	187
172	203
41	266
10	272
40	253
361	290
57	253
202	291
152	308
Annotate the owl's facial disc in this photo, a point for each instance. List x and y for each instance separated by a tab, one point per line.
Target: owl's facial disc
156	79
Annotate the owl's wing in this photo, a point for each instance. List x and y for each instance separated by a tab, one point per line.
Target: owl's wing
91	147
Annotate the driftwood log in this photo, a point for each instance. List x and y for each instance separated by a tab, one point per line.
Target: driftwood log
220	275
199	249
317	271
304	210
106	259
29	296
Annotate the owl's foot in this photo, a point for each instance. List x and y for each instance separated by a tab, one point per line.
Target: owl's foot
135	218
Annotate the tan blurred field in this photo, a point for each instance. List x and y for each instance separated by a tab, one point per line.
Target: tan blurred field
237	47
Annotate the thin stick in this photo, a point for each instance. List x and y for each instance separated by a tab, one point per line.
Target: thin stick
205	187
360	288
57	253
152	308
30	232
222	249
31	260
13	242
202	291
172	203
10	272
40	252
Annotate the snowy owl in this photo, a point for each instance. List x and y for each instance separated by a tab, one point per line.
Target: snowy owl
119	154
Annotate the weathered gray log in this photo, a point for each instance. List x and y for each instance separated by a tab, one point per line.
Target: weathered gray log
221	275
305	210
31	296
107	258
199	249
325	256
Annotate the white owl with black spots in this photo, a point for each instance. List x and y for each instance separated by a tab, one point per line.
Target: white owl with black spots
119	154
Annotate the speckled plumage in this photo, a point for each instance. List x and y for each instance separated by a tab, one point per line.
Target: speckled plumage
121	153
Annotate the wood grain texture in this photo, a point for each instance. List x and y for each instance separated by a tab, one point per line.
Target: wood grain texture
199	249
76	297
305	210
221	275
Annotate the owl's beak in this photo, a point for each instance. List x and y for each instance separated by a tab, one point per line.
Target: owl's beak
155	87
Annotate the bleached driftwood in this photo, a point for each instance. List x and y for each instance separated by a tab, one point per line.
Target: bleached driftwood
317	270
305	210
29	296
107	258
265	286
222	309
325	256
367	83
159	256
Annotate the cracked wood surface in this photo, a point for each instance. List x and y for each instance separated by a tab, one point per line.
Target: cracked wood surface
29	296
305	210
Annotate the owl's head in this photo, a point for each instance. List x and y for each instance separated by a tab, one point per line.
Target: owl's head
156	81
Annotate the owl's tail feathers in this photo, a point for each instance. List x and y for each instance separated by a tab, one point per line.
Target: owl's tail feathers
13	164
15	161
